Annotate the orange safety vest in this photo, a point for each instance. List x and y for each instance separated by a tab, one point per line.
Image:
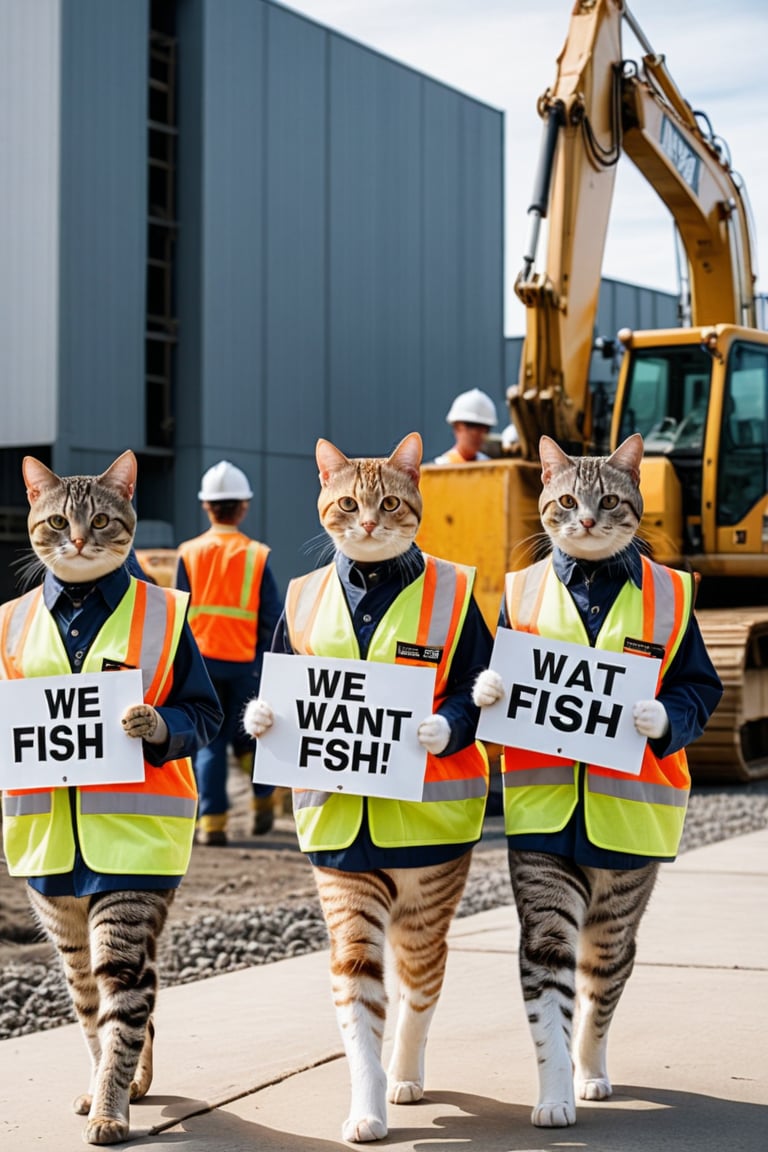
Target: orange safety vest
225	570
644	814
428	613
135	829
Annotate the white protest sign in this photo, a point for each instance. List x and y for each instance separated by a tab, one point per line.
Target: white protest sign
569	700
61	730
344	725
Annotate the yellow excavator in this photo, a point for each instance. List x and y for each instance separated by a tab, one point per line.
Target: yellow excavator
698	394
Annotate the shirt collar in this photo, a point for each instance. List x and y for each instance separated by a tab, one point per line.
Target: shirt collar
404	568
627	565
111	587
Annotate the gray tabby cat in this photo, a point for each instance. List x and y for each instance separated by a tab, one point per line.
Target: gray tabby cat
81	529
579	910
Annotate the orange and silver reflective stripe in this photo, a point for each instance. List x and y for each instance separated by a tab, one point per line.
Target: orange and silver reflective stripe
524	594
536	777
302	605
467	788
643	791
310	798
27	803
136	804
16	626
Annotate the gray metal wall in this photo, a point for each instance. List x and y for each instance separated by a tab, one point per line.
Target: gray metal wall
339	261
340	257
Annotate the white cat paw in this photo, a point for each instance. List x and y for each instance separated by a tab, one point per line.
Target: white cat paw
488	689
258	717
405	1092
434	734
651	720
559	1115
594	1088
363	1129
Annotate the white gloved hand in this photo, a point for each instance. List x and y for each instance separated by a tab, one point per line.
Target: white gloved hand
145	722
651	719
258	717
434	734
488	689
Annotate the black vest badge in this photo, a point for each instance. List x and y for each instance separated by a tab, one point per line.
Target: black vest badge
643	648
424	653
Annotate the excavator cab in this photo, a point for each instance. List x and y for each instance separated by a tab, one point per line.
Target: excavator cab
699	398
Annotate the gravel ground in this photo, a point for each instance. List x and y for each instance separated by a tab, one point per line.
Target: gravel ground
33	996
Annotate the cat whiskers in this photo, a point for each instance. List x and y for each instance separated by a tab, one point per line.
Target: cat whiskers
321	548
29	569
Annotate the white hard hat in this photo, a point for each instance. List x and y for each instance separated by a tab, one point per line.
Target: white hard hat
510	436
224	482
473	407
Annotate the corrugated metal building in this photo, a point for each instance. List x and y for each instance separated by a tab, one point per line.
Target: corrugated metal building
224	232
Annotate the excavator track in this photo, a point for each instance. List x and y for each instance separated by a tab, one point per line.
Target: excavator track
734	746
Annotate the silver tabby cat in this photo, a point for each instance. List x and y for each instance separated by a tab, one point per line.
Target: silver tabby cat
82	528
371	509
579	924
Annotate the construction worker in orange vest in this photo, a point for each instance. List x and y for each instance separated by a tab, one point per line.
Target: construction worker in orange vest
234	607
471	416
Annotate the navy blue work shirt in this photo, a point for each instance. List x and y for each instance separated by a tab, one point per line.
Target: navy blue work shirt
690	692
191	711
370	591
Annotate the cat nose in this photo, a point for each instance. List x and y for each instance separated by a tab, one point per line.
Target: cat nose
369	526
588	523
79	543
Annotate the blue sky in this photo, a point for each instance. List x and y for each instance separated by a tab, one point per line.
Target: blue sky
504	53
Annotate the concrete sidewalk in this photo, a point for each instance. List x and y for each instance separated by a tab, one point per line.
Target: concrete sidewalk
252	1060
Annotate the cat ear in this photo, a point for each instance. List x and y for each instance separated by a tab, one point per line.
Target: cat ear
329	460
628	455
552	459
407	455
36	477
121	475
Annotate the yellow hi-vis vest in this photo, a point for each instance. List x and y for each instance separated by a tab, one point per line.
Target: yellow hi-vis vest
428	613
143	829
641	815
225	569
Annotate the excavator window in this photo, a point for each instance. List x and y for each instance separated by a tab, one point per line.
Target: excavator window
743	475
666	399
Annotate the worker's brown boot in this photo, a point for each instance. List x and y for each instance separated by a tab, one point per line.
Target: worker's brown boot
263	814
212	830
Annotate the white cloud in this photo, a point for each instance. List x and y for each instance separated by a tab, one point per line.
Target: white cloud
504	53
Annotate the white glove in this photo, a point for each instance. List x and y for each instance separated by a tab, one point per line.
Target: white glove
489	687
258	717
142	720
434	734
651	719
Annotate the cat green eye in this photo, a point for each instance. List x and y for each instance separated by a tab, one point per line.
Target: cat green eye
58	522
567	501
100	520
609	501
347	504
389	503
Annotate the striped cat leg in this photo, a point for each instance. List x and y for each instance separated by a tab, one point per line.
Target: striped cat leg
125	927
65	921
552	896
426	902
356	907
605	960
